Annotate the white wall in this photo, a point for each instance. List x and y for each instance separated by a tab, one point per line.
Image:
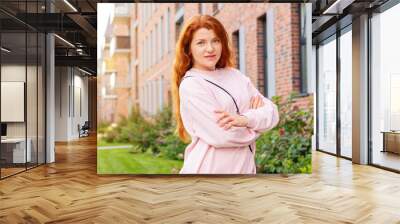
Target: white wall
71	87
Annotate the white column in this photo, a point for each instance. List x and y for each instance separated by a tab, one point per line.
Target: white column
360	90
50	99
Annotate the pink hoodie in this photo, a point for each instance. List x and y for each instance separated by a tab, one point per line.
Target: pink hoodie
214	150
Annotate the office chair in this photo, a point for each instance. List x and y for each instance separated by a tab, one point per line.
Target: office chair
84	130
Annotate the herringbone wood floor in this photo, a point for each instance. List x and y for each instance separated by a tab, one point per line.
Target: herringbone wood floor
70	191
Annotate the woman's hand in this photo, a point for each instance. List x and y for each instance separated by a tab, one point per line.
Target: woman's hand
256	102
227	120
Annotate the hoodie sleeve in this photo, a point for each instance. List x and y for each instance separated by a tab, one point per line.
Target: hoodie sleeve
263	118
197	105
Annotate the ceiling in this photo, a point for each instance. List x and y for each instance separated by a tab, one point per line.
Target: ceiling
331	15
74	22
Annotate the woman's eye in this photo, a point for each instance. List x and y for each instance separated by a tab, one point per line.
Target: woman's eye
216	41
200	43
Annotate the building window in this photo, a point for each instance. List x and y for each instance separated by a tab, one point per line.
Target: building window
306	83
136	43
161	87
167	27
178	27
136	83
178	6
235	43
159	41
200	5
146	53
129	75
262	55
238	42
156	44
242	50
215	8
266	54
303	50
162	41
152	48
142	57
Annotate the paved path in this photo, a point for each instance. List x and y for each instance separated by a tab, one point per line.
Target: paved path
115	147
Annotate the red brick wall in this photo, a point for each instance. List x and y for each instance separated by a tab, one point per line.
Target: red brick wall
233	16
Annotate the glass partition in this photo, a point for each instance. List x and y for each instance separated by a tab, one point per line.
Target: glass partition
22	77
13	95
327	95
346	92
385	89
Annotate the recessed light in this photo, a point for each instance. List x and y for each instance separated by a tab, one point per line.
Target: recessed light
64	40
70	5
5	49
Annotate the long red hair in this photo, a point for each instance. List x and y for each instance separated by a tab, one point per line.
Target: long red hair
183	60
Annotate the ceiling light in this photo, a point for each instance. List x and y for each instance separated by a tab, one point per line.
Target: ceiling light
64	40
70	5
86	72
5	49
337	7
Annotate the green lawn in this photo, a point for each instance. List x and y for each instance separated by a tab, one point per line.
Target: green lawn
122	161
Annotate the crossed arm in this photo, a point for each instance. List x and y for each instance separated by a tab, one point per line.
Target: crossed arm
203	117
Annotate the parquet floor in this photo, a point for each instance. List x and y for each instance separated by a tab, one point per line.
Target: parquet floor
70	191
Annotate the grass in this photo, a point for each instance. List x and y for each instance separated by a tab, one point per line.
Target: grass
123	161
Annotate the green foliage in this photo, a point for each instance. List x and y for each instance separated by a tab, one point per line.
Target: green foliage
172	147
102	127
284	149
156	135
287	147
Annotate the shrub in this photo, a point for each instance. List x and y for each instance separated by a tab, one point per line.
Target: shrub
102	127
287	147
138	131
171	146
284	149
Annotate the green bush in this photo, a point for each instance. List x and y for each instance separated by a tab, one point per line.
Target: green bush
284	149
102	127
111	133
171	146
287	147
155	135
138	131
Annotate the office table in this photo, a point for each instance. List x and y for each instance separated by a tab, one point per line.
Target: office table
16	148
391	141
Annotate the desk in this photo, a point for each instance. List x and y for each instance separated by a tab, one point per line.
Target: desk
391	141
16	147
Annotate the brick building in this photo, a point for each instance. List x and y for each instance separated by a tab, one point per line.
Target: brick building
268	40
115	75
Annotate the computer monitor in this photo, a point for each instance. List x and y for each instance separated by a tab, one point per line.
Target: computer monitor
3	129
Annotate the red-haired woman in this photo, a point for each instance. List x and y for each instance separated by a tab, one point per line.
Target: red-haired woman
215	104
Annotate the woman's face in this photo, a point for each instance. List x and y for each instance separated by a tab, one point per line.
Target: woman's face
206	49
